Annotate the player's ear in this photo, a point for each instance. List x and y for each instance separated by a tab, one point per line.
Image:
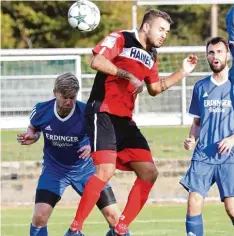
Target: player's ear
146	27
54	91
228	55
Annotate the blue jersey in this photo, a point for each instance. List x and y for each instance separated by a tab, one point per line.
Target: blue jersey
230	30
213	103
62	136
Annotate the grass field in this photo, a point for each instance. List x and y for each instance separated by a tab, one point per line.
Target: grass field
164	220
165	142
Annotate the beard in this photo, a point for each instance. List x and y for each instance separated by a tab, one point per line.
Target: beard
217	69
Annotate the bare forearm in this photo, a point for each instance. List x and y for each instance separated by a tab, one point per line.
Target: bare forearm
166	83
32	131
195	130
100	63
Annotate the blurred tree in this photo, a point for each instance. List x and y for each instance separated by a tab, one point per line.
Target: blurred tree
43	24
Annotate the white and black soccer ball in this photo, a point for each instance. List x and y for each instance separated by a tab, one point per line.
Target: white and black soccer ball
84	15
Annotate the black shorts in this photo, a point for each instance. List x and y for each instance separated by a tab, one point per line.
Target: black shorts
116	139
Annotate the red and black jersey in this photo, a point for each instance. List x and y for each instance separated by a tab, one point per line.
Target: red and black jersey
112	94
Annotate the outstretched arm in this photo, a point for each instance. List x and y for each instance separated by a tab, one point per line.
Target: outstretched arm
163	84
30	137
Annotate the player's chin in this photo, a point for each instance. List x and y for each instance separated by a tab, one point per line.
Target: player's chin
158	44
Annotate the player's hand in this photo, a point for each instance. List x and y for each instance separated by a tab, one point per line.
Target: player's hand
226	145
26	138
137	84
189	64
189	143
84	152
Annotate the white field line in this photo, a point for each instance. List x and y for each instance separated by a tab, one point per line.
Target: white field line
102	223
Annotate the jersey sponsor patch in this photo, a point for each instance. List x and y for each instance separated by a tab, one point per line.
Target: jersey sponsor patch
109	42
138	55
115	34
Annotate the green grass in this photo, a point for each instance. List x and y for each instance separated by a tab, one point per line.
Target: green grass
165	142
162	220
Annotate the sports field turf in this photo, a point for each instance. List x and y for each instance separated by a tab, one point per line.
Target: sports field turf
165	142
164	220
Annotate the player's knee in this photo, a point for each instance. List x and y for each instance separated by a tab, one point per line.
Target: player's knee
150	173
194	206
105	171
39	219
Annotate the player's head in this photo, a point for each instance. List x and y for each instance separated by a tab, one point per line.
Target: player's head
217	53
66	88
155	25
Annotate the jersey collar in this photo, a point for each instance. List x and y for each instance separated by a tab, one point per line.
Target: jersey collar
136	32
219	83
65	118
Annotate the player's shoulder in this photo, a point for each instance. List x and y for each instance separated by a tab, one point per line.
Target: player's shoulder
202	82
44	106
230	16
41	112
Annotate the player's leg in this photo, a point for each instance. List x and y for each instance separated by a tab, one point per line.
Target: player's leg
49	191
135	153
44	206
225	176
194	221
229	206
108	206
103	143
198	180
106	202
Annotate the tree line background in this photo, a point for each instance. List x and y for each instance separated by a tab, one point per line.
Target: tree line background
43	24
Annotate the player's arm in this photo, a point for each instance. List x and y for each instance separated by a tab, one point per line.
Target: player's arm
226	145
230	26
108	49
193	134
163	84
101	63
31	136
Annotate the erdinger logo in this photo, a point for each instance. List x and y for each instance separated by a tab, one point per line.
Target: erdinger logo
62	141
217	106
55	137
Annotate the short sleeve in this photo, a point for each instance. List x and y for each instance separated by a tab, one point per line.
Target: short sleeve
153	77
194	108
35	117
111	46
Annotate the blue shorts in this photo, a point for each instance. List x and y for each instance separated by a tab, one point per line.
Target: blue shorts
56	180
201	176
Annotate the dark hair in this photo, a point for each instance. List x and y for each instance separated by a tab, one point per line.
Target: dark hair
155	13
67	84
216	40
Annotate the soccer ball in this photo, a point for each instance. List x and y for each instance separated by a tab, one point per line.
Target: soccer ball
84	15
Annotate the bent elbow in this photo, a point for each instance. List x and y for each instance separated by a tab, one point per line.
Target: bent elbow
153	93
93	63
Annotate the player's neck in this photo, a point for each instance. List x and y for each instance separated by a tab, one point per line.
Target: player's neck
142	39
222	75
62	113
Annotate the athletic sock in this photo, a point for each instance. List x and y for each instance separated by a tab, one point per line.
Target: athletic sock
89	198
194	225
136	200
35	231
